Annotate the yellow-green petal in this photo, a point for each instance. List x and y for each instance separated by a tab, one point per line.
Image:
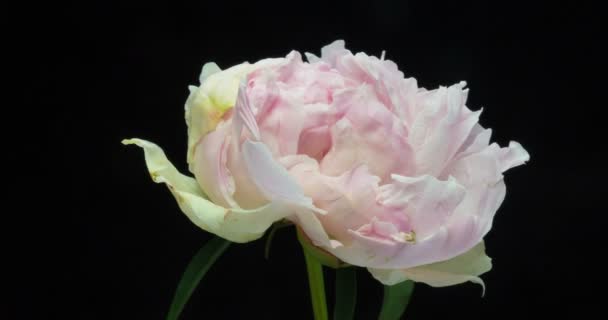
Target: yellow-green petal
207	104
233	224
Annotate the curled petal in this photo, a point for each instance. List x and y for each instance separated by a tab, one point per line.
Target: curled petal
441	128
207	104
271	178
210	166
243	116
233	224
513	156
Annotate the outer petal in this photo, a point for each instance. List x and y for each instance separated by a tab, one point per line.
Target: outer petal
208	69
441	128
465	267
206	104
217	93
232	224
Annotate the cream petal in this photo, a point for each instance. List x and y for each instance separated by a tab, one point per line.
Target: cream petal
208	69
465	267
199	119
236	225
207	104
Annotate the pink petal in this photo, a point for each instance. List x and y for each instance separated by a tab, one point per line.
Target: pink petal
210	169
367	133
332	52
243	116
429	201
441	128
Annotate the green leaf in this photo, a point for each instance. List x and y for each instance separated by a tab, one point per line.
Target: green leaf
396	299
346	293
196	270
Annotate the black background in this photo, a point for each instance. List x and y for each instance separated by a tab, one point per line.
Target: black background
101	241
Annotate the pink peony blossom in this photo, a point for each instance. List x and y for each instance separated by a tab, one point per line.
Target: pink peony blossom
374	169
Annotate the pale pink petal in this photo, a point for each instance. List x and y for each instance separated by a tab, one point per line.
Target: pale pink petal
243	116
315	142
332	52
366	134
246	192
478	139
441	128
293	99
513	156
428	201
349	199
481	174
382	253
210	169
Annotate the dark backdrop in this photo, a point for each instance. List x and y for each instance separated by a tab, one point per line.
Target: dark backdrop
101	241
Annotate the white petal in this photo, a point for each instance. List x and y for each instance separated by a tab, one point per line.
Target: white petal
271	178
311	57
513	156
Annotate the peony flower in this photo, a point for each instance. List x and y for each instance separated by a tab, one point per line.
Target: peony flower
373	169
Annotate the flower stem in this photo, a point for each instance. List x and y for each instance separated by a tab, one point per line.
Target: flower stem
317	287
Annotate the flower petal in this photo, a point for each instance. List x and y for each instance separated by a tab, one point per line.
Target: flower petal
513	156
441	128
208	69
243	116
367	133
207	104
333	51
465	267
271	178
210	166
233	224
428	201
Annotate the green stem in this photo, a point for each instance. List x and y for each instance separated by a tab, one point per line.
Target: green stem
317	286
